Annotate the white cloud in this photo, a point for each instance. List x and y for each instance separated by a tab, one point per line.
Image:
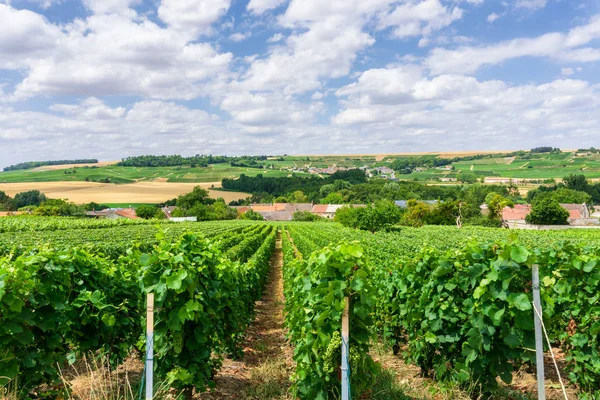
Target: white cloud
111	6
113	55
239	36
260	6
26	36
531	4
493	17
419	18
457	111
325	44
278	37
555	45
192	17
570	71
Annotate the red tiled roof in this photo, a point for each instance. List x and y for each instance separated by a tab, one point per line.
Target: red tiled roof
519	212
320	208
263	208
575	214
127	213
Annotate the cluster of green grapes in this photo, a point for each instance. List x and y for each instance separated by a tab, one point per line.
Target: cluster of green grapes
177	342
331	356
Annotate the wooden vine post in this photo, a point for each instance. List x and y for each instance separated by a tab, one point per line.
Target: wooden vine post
346	350
149	345
539	341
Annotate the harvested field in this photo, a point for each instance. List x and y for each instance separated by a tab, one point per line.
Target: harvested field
141	192
65	166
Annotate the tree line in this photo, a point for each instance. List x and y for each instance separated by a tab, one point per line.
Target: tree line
35	164
176	160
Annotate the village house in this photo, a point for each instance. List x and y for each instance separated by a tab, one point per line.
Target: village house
113	213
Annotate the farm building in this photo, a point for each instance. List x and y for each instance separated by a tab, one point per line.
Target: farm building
113	213
404	203
579	215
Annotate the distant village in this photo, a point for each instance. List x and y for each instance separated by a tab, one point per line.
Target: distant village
580	215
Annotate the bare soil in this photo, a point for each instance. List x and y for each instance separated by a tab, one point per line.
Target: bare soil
265	369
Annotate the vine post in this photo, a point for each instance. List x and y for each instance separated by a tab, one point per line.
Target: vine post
345	350
149	345
539	340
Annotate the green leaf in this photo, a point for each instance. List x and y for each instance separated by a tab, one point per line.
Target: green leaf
109	319
430	338
520	301
175	280
519	254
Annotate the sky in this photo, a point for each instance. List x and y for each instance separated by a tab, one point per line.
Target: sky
108	79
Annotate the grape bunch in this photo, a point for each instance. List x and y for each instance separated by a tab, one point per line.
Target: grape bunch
331	355
177	342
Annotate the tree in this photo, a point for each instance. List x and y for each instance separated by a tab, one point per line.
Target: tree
197	196
547	211
146	211
333	198
307	216
381	215
496	204
93	206
221	211
6	203
416	213
30	198
252	215
576	182
298	197
58	207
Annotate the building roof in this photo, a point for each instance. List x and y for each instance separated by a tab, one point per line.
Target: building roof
518	213
127	213
278	215
404	203
302	206
320	208
332	208
263	208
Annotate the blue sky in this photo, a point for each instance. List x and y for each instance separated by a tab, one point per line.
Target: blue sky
113	78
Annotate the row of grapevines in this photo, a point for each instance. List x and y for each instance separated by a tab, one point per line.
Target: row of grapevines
111	242
204	303
465	312
36	224
57	304
467	315
315	290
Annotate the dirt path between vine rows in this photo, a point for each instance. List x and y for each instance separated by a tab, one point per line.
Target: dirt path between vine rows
265	369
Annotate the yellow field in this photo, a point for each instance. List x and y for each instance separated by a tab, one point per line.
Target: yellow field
67	166
141	192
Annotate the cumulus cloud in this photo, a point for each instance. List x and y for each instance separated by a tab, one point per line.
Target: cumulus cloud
419	18
111	6
239	36
113	55
26	36
531	4
493	17
192	17
455	109
556	45
260	6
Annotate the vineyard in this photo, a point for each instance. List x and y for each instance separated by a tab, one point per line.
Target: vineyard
455	303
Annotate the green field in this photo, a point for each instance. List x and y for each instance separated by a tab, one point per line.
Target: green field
116	174
531	166
534	167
